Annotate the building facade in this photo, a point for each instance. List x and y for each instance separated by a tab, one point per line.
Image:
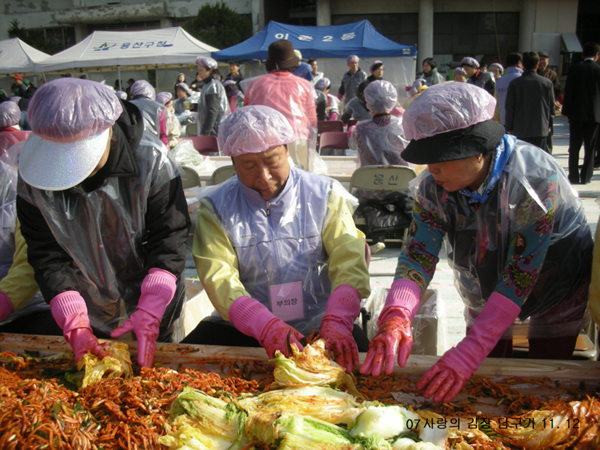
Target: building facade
444	29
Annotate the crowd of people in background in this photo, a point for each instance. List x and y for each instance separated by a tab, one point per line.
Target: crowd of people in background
276	247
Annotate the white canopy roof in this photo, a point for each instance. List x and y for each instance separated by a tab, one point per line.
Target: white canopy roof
130	48
17	56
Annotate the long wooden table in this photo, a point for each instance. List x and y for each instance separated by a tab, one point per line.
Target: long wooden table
198	356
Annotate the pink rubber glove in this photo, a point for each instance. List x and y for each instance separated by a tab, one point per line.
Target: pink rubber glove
447	377
6	307
71	315
394	335
157	292
333	116
339	96
254	319
343	307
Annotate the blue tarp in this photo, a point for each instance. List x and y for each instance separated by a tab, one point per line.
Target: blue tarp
335	41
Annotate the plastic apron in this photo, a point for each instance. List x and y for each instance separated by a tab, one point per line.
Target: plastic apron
103	231
282	249
10	138
478	238
8	223
151	114
8	219
213	88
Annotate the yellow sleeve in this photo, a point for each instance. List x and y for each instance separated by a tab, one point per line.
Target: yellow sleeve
19	283
594	300
345	244
497	110
216	261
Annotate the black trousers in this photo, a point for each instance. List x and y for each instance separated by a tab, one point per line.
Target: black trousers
216	332
40	322
581	133
541	142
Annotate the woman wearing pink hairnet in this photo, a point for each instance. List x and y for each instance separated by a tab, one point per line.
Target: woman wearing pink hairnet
154	113
10	131
276	247
515	233
104	215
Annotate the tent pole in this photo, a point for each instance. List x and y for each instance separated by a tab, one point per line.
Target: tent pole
119	77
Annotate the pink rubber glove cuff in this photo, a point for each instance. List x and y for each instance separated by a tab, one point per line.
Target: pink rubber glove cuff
343	305
6	307
69	311
447	377
250	316
254	319
405	294
157	291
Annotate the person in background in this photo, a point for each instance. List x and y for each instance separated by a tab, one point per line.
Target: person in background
497	70
234	73
460	75
544	71
197	84
303	267
326	102
430	72
180	79
581	107
292	96
414	91
357	107
22	308
10	131
351	80
380	141
530	105
477	76
235	96
19	89
104	216
515	232
183	108
213	105
376	70
514	69
314	65
143	96
173	129
302	70
30	88
128	88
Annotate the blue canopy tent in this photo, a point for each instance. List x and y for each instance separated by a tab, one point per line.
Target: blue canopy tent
329	44
335	41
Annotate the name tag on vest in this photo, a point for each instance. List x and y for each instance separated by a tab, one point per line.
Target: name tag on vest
286	301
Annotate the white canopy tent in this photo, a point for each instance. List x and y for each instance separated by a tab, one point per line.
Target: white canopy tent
18	57
132	50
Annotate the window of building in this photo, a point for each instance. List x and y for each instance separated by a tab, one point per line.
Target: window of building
492	35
